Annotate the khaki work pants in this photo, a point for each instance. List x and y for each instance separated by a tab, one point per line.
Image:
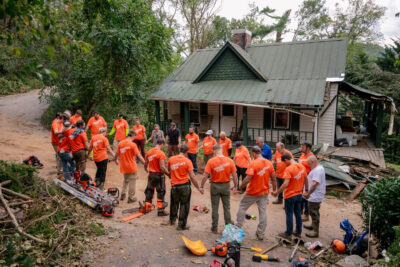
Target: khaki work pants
58	160
80	160
220	191
130	184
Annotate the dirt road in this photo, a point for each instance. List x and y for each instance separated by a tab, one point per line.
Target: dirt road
143	242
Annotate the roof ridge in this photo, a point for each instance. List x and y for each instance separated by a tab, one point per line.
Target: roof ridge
299	42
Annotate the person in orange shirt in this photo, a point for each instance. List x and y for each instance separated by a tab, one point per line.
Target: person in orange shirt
127	150
79	144
207	145
95	123
77	117
155	166
121	129
140	138
280	168
192	141
56	127
100	145
226	144
181	169
258	173
242	159
220	168
295	178
306	153
64	151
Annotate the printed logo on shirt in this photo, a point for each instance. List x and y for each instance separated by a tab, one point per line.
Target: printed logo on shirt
278	160
119	126
138	130
191	139
95	143
298	176
176	165
96	122
238	153
124	149
150	158
220	168
262	172
207	144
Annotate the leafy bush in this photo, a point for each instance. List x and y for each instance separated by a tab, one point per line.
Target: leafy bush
384	197
290	139
9	86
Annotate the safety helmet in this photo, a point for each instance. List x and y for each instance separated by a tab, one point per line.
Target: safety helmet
107	210
338	246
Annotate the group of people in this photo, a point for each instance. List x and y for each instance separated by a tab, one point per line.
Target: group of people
299	185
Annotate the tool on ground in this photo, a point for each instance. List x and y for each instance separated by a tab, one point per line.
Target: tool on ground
259	250
80	186
233	253
196	247
356	242
313	257
220	249
144	207
280	241
250	217
298	241
263	257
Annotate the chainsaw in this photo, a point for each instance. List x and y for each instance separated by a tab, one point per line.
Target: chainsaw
80	187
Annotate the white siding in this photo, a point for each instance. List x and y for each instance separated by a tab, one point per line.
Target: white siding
173	110
326	123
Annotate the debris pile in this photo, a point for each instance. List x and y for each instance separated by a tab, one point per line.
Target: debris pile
39	223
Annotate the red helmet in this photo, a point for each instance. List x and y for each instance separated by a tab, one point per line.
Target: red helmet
338	246
107	210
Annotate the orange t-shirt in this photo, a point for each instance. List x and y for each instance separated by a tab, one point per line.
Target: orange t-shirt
303	160
242	157
296	173
99	143
192	142
220	168
120	129
75	118
208	144
280	165
179	168
95	125
226	145
63	145
56	125
153	156
76	143
140	131
261	169
127	151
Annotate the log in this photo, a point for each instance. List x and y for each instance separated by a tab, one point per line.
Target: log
356	191
15	222
5	183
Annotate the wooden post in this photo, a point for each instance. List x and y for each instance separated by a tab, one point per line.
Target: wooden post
366	113
245	129
157	105
379	121
219	119
187	122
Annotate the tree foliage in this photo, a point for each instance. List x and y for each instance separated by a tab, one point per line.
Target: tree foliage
388	59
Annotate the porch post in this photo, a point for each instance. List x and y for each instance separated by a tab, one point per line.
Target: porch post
245	132
157	104
366	113
186	106
379	121
219	119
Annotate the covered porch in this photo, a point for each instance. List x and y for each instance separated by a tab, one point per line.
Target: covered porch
240	122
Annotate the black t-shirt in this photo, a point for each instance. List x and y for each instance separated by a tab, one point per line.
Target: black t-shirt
173	136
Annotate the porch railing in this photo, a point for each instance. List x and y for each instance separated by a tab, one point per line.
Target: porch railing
272	136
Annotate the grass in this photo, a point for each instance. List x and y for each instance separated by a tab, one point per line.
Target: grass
393	166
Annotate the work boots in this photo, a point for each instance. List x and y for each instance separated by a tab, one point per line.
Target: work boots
304	217
308	226
315	232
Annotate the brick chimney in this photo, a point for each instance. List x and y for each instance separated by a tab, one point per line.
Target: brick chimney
242	37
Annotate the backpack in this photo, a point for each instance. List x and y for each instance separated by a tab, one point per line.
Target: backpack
33	161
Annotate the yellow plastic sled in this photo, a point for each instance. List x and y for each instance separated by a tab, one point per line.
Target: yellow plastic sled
196	247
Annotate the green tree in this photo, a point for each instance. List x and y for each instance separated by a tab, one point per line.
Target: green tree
388	59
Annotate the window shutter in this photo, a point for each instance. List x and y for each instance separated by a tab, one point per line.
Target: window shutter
267	118
295	122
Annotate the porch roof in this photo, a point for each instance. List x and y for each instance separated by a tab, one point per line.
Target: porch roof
364	93
296	71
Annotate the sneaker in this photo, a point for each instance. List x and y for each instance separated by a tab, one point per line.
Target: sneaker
285	236
259	237
297	235
134	199
181	228
214	230
123	196
277	202
304	217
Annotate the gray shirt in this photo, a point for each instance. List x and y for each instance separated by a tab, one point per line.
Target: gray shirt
318	175
157	136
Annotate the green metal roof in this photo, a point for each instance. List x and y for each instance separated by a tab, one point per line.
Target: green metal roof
296	72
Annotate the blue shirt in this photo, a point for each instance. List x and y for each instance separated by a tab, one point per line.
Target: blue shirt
266	152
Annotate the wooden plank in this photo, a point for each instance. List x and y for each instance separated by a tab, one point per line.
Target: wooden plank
357	191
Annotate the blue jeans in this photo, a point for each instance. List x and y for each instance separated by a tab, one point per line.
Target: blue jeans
68	164
293	205
193	159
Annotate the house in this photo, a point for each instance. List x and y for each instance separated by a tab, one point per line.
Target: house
280	91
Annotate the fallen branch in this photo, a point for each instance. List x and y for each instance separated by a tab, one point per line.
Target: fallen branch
5	183
20	203
8	191
15	222
44	217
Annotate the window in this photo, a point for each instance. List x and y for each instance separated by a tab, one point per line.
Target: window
267	118
194	112
281	120
203	109
228	110
294	121
165	110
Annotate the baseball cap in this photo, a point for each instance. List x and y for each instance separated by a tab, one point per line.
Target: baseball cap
209	132
238	144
